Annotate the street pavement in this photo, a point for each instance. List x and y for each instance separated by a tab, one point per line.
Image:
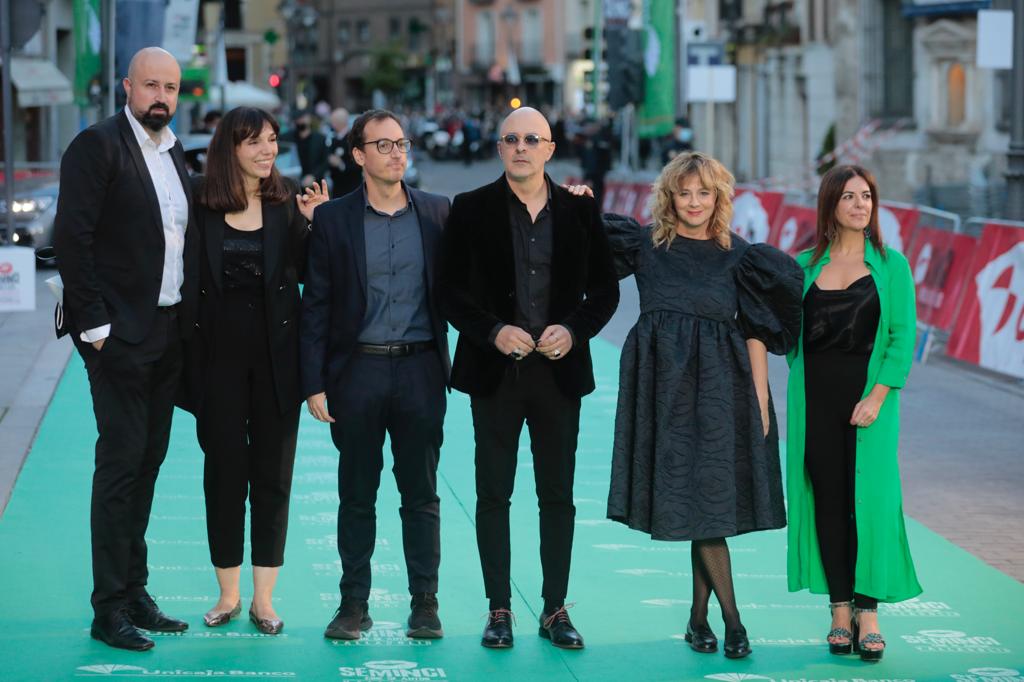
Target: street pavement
961	448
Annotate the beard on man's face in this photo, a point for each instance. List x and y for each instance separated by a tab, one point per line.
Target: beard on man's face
156	117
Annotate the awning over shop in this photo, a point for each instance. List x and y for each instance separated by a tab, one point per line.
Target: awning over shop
39	83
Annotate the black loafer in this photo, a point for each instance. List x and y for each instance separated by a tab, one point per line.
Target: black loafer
114	629
559	629
350	621
498	631
701	638
736	643
145	614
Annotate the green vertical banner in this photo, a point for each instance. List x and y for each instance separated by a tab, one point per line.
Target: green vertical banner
88	45
658	110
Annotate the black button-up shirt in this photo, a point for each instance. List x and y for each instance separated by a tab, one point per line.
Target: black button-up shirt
532	244
396	284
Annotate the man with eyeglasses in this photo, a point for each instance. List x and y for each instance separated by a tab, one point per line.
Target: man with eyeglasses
528	280
374	362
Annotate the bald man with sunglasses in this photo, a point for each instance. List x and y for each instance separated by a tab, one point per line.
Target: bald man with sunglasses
527	279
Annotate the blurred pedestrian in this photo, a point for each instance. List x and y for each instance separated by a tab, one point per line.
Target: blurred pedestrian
242	366
681	140
311	147
847	536
346	174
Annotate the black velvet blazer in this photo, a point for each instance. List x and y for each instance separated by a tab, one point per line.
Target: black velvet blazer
478	284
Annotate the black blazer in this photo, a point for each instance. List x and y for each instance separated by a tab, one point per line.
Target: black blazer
285	234
334	295
109	237
478	284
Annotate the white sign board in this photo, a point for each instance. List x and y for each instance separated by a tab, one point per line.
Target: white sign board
17	279
711	83
180	20
995	39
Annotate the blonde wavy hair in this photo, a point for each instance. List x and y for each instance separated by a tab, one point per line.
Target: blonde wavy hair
713	176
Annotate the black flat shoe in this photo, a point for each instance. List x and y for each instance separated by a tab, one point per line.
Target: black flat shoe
559	629
350	621
116	630
268	626
145	614
216	619
736	643
498	631
701	638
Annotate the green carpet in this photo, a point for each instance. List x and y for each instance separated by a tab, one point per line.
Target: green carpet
631	594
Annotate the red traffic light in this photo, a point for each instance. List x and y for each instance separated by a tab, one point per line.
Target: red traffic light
274	80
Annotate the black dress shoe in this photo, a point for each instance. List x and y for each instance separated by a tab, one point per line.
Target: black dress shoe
423	621
114	629
498	632
145	614
350	620
268	626
701	638
559	629
736	643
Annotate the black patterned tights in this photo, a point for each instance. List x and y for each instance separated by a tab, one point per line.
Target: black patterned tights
712	571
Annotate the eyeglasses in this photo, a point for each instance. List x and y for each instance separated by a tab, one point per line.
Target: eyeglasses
385	146
531	139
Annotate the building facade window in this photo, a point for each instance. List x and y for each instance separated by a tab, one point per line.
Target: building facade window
344	32
533	36
394	28
363	31
485	34
956	95
897	62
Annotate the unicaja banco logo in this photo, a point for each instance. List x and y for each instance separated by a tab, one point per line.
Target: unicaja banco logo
120	670
954	641
110	669
989	675
736	677
391	670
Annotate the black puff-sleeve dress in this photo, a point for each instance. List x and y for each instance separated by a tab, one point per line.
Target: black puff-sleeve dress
690	460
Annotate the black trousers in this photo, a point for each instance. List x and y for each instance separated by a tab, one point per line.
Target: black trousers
404	398
133	388
249	444
834	382
527	394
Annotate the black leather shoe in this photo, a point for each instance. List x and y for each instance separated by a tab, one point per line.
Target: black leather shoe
559	629
736	643
423	621
114	629
350	621
701	638
145	614
498	632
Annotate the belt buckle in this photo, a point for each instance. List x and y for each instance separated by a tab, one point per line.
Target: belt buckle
394	349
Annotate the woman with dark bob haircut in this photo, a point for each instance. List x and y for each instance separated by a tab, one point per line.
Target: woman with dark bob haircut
242	368
846	532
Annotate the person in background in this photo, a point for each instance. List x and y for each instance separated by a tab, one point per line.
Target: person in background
346	174
210	120
681	140
311	147
847	536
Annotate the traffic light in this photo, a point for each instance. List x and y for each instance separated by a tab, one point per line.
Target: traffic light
274	80
625	66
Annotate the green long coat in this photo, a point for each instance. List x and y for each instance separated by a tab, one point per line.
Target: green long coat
884	568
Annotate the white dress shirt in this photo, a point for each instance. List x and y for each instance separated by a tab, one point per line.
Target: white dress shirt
173	214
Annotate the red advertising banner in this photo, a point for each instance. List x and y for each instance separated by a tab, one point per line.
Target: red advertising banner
989	328
897	223
939	260
754	213
794	228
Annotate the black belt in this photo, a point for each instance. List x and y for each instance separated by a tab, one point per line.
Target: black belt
395	350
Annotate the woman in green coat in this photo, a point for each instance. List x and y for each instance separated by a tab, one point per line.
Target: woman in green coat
847	537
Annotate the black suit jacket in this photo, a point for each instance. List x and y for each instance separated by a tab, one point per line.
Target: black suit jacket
109	238
334	295
285	234
479	282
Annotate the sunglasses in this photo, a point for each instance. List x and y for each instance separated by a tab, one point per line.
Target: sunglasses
385	146
531	139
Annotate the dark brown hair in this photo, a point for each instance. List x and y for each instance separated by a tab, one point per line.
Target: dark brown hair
357	136
829	192
224	188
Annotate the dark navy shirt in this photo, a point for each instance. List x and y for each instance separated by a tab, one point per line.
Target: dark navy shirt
396	284
532	243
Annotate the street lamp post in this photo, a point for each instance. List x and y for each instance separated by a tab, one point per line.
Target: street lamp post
1015	155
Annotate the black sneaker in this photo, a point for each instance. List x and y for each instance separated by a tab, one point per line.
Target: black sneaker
423	621
350	621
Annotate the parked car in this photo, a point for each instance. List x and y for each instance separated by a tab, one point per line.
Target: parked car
35	204
195	145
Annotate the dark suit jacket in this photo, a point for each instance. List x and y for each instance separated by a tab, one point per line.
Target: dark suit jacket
109	238
334	295
285	235
478	284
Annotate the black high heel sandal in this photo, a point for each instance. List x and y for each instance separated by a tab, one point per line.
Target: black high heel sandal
837	648
869	655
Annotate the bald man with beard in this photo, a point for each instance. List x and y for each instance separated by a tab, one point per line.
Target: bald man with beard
527	279
128	257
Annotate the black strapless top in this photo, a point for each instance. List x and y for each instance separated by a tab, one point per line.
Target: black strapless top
844	320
